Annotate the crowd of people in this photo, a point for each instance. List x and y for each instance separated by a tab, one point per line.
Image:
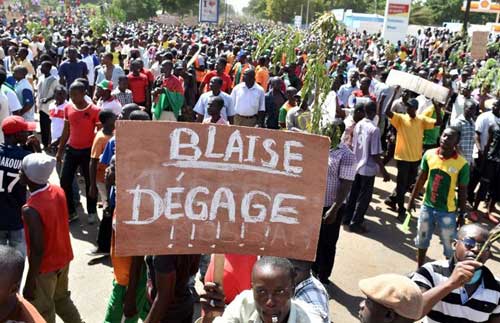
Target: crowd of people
60	99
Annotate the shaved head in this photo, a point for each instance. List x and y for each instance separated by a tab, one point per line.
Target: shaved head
473	230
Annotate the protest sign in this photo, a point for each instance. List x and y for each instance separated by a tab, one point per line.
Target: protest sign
396	19
478	44
187	188
418	85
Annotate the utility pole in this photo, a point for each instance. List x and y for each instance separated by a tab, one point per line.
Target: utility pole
227	7
301	14
466	18
307	14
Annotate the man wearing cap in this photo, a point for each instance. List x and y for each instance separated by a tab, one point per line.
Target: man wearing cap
106	101
390	298
45	218
409	144
12	194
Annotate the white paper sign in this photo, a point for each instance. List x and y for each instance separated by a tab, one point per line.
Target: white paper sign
418	85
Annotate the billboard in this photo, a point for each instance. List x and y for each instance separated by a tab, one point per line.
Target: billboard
397	16
209	11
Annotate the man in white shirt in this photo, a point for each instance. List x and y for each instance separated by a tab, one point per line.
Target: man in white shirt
4	104
272	278
201	107
249	101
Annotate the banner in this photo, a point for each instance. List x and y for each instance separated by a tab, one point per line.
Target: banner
418	85
209	11
397	16
188	188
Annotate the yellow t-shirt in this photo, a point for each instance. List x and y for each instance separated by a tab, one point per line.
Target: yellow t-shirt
409	141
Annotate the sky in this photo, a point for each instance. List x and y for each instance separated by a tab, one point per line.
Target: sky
238	4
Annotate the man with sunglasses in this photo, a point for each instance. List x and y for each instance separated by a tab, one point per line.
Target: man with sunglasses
461	289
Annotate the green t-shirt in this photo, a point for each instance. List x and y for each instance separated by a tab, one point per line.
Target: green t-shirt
283	111
444	175
431	136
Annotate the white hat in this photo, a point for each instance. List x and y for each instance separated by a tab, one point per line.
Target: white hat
38	167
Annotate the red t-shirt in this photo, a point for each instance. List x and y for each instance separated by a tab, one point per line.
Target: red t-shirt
149	74
82	124
50	203
138	85
226	81
237	274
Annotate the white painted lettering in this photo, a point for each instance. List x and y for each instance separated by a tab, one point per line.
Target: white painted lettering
188	205
277	210
247	202
170	204
234	145
136	205
289	156
229	203
176	145
212	130
273	161
251	148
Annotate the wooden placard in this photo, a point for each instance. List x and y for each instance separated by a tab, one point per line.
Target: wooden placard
418	85
479	43
187	188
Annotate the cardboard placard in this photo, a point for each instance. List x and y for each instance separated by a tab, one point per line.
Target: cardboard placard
418	85
479	43
188	188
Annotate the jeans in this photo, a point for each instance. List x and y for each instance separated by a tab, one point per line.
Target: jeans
446	223
359	199
53	297
327	246
14	239
407	173
72	159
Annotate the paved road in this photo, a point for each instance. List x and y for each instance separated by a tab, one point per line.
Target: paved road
385	249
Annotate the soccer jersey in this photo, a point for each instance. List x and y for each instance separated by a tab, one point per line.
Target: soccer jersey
443	177
12	193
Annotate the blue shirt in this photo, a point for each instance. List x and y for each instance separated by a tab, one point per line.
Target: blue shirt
109	151
12	193
72	70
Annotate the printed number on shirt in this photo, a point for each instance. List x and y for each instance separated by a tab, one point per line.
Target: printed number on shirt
11	185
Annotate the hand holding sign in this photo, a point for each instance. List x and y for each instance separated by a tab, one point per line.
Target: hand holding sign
418	85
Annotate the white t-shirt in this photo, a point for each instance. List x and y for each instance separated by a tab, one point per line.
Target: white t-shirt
14	104
111	105
56	113
483	124
4	112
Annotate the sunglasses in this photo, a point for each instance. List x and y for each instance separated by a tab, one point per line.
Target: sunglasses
470	243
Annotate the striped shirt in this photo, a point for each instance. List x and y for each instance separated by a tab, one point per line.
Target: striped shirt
341	165
458	307
467	133
312	292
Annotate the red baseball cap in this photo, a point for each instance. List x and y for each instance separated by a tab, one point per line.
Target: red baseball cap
15	124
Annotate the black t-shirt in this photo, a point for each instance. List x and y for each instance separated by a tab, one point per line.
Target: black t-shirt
12	193
184	266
